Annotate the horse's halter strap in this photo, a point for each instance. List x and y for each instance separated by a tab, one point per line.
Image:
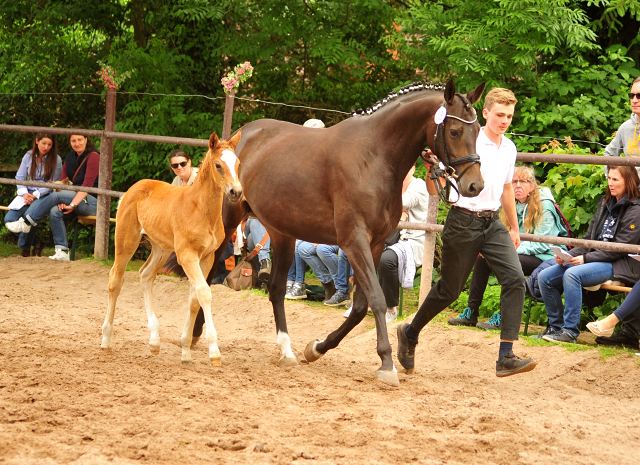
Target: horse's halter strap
449	171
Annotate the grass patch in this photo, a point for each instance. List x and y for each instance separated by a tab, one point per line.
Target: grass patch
133	265
612	351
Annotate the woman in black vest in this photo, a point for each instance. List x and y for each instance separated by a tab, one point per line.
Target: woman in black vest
81	167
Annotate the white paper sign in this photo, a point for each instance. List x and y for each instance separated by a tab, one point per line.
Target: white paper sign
560	252
440	115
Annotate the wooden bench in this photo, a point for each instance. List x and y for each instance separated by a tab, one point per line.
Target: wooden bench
87	220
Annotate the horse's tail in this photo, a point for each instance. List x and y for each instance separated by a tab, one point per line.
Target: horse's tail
172	267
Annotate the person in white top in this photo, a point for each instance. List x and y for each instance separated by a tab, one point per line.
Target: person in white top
180	163
473	227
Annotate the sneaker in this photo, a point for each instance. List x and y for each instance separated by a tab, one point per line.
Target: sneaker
560	336
60	255
289	286
20	226
620	339
548	330
492	323
406	349
265	269
392	315
339	298
298	291
512	365
464	319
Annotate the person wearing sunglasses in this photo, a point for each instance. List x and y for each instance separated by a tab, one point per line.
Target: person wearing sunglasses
180	163
627	139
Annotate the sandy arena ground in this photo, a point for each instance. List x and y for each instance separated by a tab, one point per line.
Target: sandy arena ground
62	400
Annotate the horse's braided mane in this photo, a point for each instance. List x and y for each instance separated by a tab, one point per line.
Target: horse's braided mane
413	87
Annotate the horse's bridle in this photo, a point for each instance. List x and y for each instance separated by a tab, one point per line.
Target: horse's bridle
449	164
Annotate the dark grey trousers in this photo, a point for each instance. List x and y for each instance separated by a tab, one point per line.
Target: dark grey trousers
463	238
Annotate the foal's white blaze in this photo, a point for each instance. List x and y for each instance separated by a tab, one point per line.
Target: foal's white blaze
284	343
230	159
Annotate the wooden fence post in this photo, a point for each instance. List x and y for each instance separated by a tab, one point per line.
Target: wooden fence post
429	249
101	249
228	115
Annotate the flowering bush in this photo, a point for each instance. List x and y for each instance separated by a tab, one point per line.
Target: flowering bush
240	73
110	76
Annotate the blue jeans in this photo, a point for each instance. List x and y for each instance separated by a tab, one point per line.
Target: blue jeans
25	240
344	272
322	259
572	279
296	271
254	232
49	206
630	304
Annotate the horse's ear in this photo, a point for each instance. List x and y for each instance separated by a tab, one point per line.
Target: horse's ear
233	142
213	140
476	93
449	91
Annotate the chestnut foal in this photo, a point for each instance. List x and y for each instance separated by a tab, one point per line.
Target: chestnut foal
185	219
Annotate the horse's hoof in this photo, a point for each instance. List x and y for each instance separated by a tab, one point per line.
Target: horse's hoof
187	362
409	371
194	341
216	362
155	350
310	352
389	377
286	362
106	349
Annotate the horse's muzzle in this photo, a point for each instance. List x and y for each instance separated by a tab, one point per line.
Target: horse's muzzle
234	191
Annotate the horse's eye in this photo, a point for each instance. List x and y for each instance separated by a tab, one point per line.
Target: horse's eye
218	165
454	133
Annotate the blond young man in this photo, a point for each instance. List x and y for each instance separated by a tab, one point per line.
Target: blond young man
472	227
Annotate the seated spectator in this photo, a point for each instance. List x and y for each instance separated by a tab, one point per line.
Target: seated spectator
629	314
180	163
295	279
81	167
343	287
536	211
404	250
254	232
323	260
43	164
615	220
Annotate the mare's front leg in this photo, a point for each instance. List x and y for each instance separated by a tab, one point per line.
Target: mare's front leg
200	296
364	261
283	249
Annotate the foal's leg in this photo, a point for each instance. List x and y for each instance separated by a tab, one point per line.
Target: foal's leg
195	269
148	273
283	249
364	261
126	244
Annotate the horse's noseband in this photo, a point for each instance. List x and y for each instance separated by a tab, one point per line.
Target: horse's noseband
449	171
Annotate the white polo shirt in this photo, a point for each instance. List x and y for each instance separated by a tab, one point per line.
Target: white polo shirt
496	165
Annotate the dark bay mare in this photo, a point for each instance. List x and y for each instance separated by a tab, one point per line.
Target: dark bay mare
343	185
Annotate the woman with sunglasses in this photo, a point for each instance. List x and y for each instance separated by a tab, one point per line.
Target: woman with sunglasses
180	163
627	139
536	211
